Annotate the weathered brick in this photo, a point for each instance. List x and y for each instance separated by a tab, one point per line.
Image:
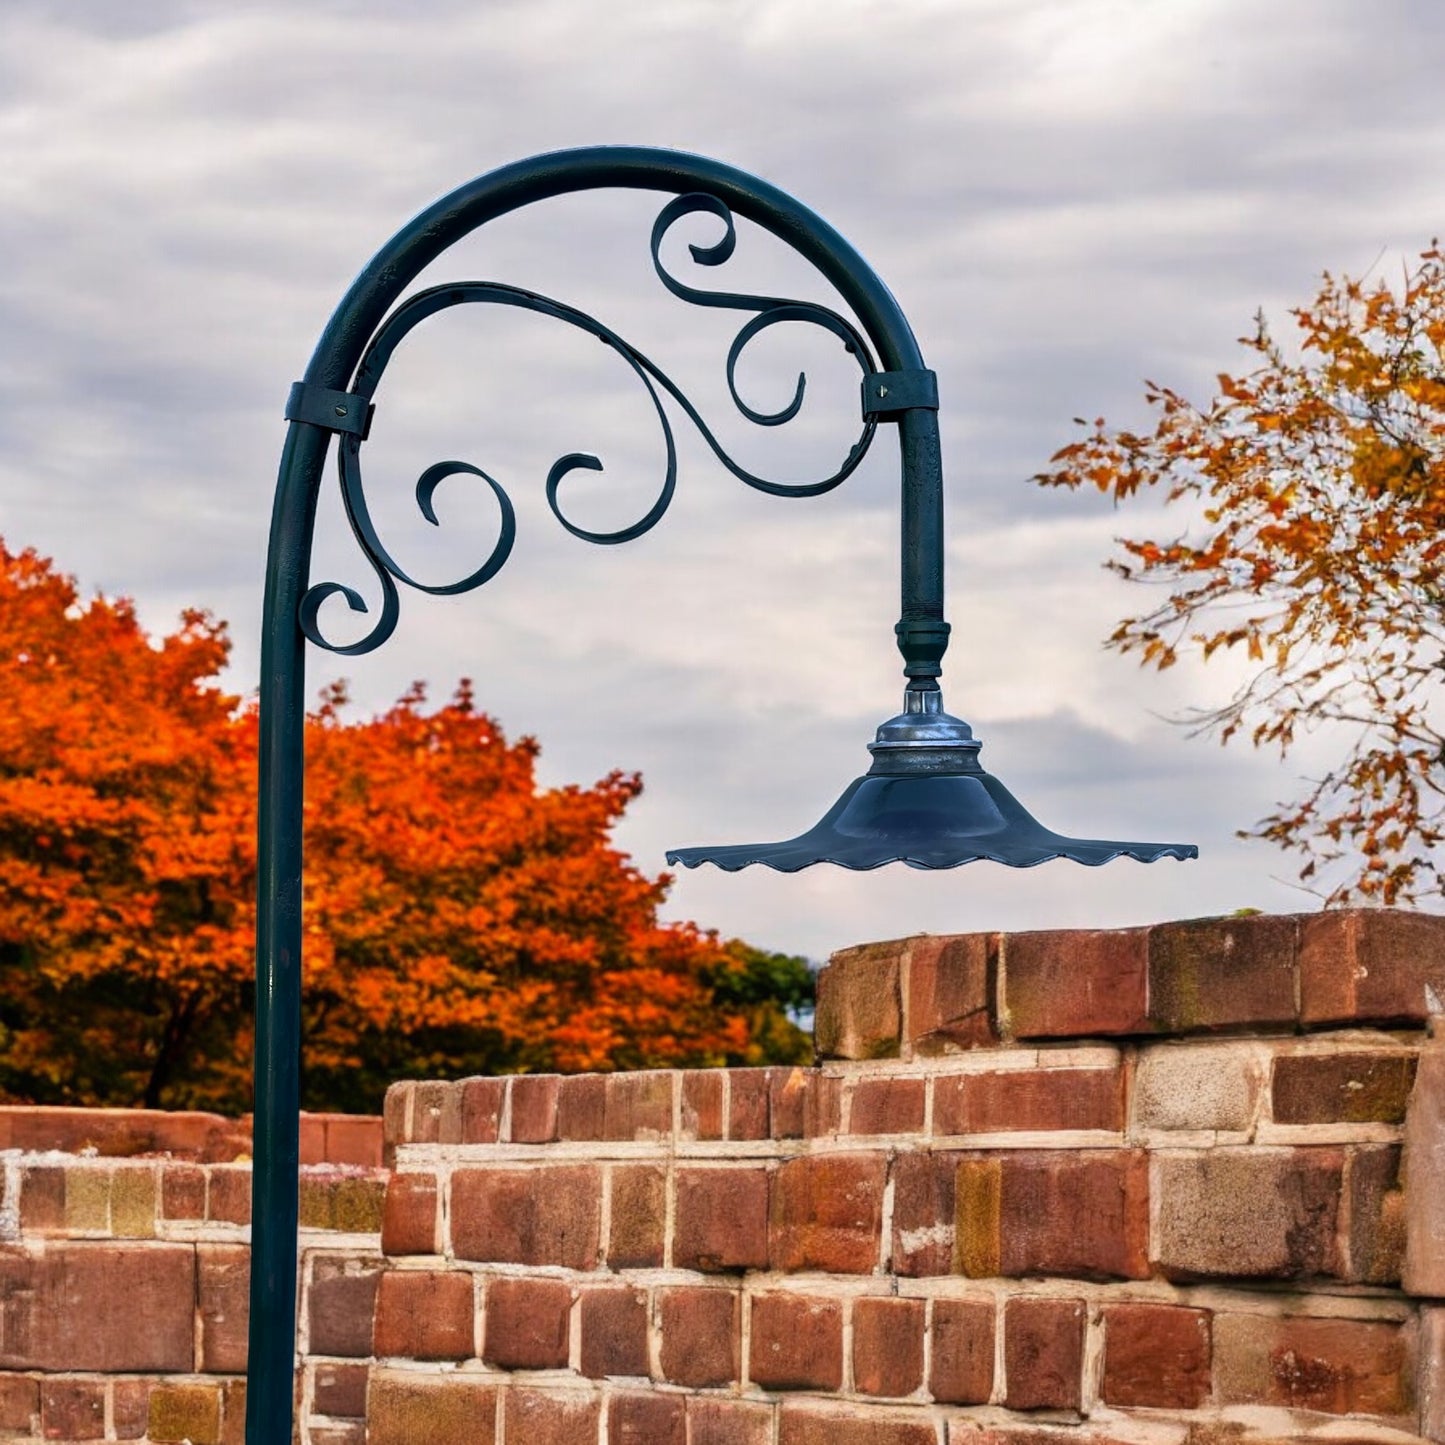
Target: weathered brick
951	984
582	1107
827	1213
87	1199
1156	1356
614	1332
1038	1099
1207	974
527	1324
721	1219
1370	965
350	1432
183	1191
886	1106
341	1304
1043	1342
637	1229
637	1418
796	1342
1339	1366
1249	1212
699	1330
425	1316
342	1201
1083	1213
402	1409
42	1199
137	1314
639	1105
72	1409
223	1302
534	1108
133	1201
817	1424
1205	1086
550	1418
962	1353
749	1100
354	1139
185	1415
887	1346
396	1116
858	1009
544	1214
1354	1087
803	1103
410	1215
702	1104
19	1404
1074	983
481	1110
1432	1373
130	1408
711	1421
228	1194
1373	1224
340	1390
1423	1272
436	1112
822	1105
923	1213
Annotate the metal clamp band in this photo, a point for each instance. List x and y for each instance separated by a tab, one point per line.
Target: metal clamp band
341	411
887	394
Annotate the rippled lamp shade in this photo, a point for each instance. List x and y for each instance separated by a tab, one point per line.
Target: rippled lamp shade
927	802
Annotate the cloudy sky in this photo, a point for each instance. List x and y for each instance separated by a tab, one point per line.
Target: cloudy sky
1066	196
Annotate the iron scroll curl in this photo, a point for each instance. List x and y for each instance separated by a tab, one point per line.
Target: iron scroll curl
769	311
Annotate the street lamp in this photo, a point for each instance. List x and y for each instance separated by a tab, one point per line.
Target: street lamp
925	801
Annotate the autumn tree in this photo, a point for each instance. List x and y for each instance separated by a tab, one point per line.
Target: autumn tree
459	919
1312	489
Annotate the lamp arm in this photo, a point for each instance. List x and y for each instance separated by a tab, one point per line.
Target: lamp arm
325	402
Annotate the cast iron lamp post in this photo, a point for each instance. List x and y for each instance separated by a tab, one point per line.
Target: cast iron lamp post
925	801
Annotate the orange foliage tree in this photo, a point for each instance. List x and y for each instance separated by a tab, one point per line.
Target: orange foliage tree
458	919
1314	489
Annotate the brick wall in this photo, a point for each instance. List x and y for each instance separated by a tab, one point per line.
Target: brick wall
1182	1184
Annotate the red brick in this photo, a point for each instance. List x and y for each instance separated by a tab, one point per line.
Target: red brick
410	1215
886	1106
340	1390
354	1139
1351	1088
1043	1342
481	1108
402	1409
827	1213
1040	1099
425	1316
183	1191
923	1213
548	1418
858	1010
749	1096
1223	973
436	1112
19	1404
712	1421
223	1301
699	1331
528	1324
395	1117
961	1365
1373	1215
1423	1272
1432	1373
646	1419
228	1194
614	1332
721	1219
1370	965
951	985
638	1106
1340	1366
812	1424
1156	1356
1075	983
887	1346
311	1139
1083	1213
138	1315
73	1409
702	1104
582	1108
42	1199
534	1108
546	1214
342	1304
796	1342
638	1216
822	1105
130	1408
1249	1212
789	1092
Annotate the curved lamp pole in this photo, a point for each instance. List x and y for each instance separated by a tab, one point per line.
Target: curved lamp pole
925	800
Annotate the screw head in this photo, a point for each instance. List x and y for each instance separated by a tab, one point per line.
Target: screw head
340	411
